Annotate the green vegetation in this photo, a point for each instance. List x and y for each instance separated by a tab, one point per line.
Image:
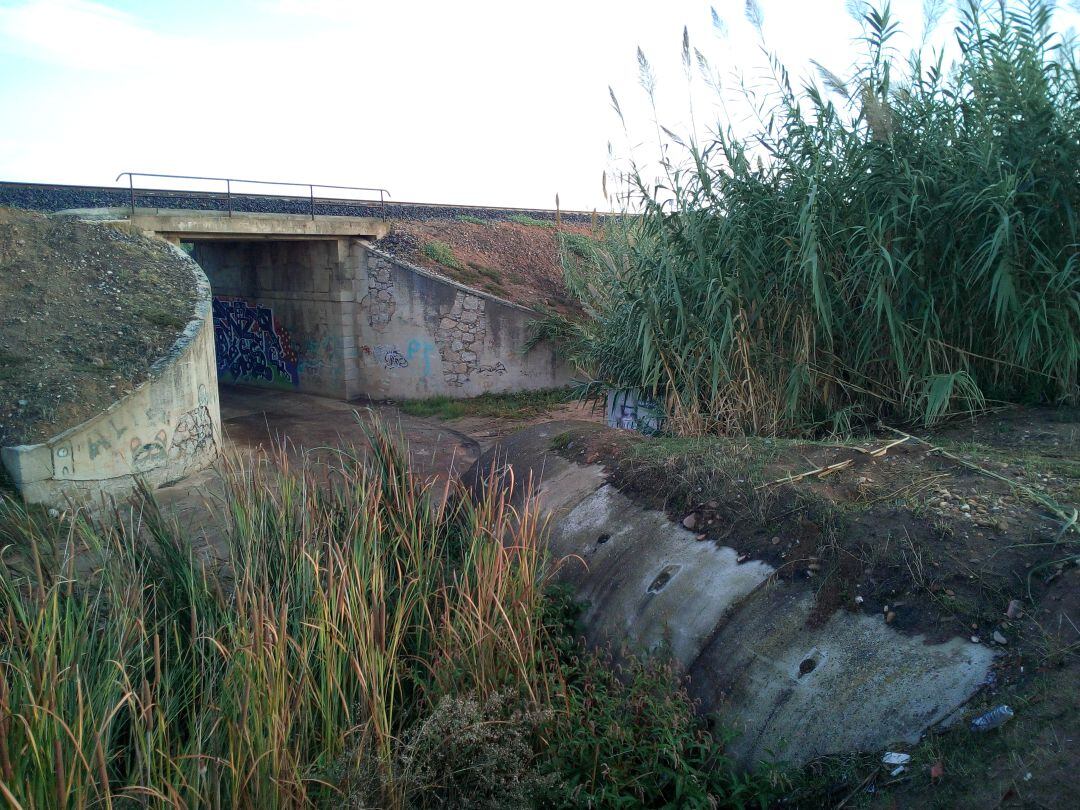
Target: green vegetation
471	219
901	244
443	254
361	622
525	219
521	405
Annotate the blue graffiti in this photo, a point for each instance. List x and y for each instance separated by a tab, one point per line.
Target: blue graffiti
251	345
416	347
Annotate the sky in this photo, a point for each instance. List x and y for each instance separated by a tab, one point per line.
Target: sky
473	102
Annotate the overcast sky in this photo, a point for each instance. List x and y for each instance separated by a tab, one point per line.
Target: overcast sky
498	103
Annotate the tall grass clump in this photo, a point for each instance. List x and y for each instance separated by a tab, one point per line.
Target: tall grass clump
900	243
355	598
367	639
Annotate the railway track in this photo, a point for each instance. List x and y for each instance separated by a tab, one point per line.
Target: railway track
49	197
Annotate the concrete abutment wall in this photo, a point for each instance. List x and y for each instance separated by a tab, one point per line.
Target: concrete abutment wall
167	428
339	318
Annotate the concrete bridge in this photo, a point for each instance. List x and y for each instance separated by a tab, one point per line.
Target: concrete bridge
307	302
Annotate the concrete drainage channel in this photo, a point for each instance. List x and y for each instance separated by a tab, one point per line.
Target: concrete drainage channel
792	691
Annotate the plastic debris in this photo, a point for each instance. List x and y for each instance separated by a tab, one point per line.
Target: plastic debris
895	758
992	719
899	769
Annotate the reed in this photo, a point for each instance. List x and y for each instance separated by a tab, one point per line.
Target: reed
355	597
899	243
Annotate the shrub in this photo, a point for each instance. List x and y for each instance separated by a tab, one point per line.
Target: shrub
903	245
472	219
626	734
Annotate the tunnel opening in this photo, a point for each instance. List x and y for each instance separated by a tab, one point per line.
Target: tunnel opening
280	313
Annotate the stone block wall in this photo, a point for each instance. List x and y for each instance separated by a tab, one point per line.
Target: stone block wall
423	335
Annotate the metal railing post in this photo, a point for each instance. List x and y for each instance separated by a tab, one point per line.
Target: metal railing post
311	194
131	190
228	195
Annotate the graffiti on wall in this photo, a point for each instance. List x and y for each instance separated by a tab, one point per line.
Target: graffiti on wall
628	409
251	346
423	349
389	356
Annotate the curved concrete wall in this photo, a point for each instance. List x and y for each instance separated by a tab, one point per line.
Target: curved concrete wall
792	690
165	429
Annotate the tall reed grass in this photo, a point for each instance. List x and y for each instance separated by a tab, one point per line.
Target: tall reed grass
902	242
134	672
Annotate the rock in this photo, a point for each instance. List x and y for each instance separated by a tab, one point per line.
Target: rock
975	639
690	521
775	541
999	638
54	513
890	616
1014	610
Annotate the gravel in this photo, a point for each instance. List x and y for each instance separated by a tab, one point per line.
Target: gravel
41	197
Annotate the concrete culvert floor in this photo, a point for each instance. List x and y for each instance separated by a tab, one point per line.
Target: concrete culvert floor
86	309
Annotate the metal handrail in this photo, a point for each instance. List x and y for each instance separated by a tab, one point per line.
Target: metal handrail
228	181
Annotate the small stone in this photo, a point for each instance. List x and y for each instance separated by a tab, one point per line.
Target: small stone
890	616
1000	638
54	513
974	639
965	507
1014	609
22	403
690	521
775	541
859	600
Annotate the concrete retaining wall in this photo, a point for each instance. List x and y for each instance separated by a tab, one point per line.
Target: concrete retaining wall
423	335
165	429
342	319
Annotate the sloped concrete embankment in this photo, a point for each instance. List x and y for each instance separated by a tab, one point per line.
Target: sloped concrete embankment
166	428
792	691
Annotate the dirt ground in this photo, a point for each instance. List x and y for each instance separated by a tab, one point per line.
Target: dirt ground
85	311
515	261
256	419
960	533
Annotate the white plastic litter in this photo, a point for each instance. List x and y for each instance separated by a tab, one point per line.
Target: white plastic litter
894	758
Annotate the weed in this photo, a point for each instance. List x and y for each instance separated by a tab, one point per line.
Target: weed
525	219
518	405
472	219
443	254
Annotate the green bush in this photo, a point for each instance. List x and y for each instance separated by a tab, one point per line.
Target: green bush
471	219
903	244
